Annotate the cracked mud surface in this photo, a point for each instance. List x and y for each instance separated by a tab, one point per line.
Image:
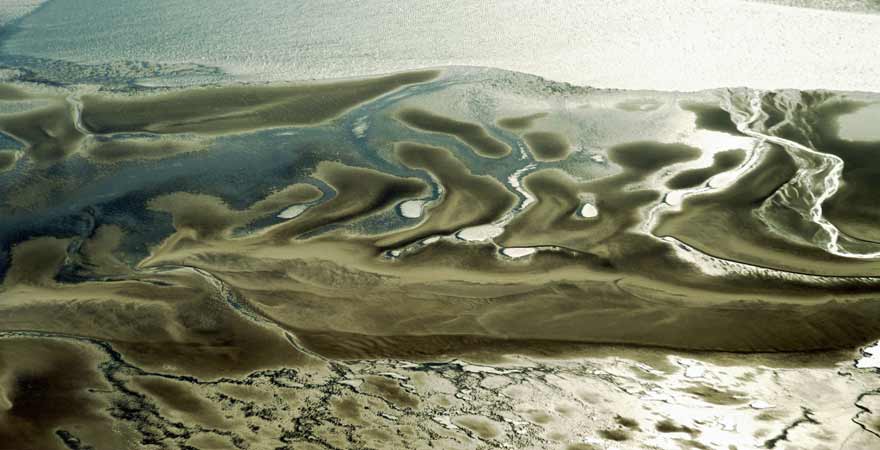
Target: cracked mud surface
695	401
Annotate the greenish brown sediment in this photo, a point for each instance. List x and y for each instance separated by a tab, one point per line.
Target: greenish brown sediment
467	199
853	208
710	116
210	218
180	399
359	192
728	213
471	134
615	435
140	149
482	426
627	422
390	390
552	219
230	109
35	262
51	135
7	159
555	209
581	446
520	122
10	92
670	426
693	444
46	386
48	131
173	325
721	162
717	396
240	328
647	156
547	146
622	288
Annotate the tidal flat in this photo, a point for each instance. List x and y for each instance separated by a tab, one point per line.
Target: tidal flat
445	258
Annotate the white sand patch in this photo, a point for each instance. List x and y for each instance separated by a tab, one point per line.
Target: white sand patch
711	142
360	127
588	211
723	179
473	368
673	198
431	240
760	404
391	417
692	369
446	421
479	233
514	181
293	211
727	423
355	383
394	375
518	252
694	372
871	358
412	209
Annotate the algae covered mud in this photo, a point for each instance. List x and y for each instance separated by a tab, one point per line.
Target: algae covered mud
445	258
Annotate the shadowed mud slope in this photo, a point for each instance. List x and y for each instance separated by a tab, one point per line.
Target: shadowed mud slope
224	267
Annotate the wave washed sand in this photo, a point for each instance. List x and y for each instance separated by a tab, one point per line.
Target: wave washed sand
666	45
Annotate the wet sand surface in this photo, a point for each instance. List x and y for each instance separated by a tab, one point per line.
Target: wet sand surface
231	267
471	134
721	162
547	146
236	108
